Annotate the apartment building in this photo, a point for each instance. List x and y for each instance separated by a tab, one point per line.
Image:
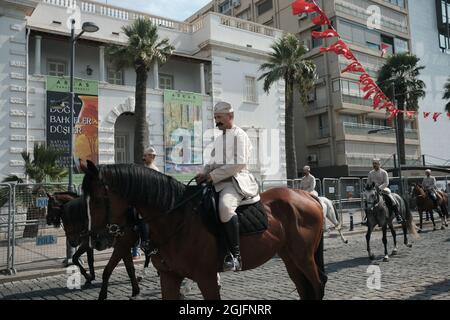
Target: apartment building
332	132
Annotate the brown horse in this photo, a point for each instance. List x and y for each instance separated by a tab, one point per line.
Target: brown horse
68	208
425	204
187	249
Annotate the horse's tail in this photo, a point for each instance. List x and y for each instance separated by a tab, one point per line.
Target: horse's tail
335	213
410	220
321	267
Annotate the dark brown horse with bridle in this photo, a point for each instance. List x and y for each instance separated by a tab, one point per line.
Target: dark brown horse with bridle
187	249
425	204
69	209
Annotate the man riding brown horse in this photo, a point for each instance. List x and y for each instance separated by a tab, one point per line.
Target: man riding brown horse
429	185
229	174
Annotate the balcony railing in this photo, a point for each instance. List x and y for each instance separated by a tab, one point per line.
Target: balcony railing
364	160
356	100
247	25
385	132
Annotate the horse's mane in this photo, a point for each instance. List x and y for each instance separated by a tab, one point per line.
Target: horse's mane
143	186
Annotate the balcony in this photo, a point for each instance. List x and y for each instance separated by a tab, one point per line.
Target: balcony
387	133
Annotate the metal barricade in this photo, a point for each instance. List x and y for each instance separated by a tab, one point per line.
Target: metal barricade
6	214
330	189
350	200
318	187
269	184
34	242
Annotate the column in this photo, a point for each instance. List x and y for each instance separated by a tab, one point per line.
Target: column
156	75
37	56
202	78
102	72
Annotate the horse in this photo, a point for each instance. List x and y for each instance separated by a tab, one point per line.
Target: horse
330	213
425	204
70	209
378	213
186	247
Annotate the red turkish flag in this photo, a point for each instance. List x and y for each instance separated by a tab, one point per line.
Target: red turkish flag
340	48
436	115
448	114
354	67
388	105
394	113
329	33
410	114
426	114
377	99
302	6
321	19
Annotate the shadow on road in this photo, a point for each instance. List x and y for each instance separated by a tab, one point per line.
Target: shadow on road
432	290
345	264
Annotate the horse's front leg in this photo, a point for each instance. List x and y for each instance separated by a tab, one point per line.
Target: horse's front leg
129	265
76	261
421	221
112	263
386	255
394	236
369	232
90	258
432	220
170	285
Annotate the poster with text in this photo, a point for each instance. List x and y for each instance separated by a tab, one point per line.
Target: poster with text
85	141
183	131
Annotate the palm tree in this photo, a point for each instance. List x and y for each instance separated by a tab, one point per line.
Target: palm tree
143	50
287	62
43	168
447	95
399	77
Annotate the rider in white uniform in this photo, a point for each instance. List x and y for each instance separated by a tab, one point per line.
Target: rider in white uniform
429	185
308	182
380	177
228	172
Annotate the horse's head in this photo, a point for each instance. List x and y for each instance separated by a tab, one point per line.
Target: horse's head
54	211
371	196
99	207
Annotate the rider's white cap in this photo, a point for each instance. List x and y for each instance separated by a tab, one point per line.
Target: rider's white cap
223	107
150	150
307	168
428	171
376	160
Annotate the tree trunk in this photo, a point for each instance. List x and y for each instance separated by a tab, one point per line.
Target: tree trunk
141	132
401	131
291	157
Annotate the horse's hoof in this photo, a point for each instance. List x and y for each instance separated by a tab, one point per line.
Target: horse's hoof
409	245
87	285
442	228
394	253
385	259
139	279
419	231
372	257
346	241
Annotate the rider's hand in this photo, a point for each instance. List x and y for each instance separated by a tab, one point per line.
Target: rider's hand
200	178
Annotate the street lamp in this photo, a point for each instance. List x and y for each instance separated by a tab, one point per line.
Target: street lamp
87	27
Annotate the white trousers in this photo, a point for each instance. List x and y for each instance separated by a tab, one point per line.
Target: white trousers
229	200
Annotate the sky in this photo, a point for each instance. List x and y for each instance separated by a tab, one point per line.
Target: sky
173	9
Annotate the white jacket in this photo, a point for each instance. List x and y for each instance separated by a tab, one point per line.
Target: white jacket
229	163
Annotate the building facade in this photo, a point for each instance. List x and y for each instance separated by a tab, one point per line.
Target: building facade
213	58
430	29
332	134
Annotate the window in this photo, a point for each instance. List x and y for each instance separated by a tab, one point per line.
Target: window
336	85
317	42
166	82
444	43
264	6
400	45
245	15
115	76
349	118
121	149
250	90
324	130
56	68
225	8
372	45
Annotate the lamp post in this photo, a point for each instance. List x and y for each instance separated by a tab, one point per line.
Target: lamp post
87	27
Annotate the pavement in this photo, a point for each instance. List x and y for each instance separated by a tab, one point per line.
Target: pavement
419	273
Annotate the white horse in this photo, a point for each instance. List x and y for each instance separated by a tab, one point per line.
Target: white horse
329	212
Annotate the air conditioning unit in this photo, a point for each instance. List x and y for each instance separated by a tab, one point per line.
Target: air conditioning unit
312	158
236	3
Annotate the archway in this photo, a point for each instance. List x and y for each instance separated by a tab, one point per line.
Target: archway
124	138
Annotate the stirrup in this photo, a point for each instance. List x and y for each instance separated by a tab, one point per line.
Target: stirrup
231	263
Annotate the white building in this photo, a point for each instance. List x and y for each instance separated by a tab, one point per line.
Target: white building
429	34
217	57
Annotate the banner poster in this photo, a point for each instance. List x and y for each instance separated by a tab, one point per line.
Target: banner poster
183	131
85	142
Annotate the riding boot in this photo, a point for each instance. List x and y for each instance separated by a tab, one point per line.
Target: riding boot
232	262
398	216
